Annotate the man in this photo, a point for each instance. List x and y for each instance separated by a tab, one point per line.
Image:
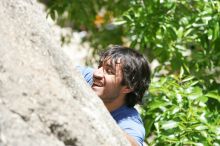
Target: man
120	81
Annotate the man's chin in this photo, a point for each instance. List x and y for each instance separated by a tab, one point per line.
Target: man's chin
96	90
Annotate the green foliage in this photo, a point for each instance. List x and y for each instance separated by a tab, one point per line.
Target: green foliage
94	17
184	36
176	113
178	33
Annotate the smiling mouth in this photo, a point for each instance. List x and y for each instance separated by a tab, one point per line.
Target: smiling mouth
97	84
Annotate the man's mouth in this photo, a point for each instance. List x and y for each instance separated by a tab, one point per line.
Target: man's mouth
98	84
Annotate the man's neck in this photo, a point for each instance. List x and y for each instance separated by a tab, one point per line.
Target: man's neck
117	103
112	107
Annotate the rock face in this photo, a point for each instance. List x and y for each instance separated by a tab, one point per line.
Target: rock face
43	100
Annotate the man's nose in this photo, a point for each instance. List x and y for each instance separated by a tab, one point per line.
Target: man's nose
98	73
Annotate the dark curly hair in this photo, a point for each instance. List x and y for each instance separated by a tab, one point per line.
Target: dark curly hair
135	70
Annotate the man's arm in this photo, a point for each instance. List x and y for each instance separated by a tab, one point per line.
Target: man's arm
132	141
87	73
134	129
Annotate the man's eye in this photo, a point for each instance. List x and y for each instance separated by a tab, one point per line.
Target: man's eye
109	71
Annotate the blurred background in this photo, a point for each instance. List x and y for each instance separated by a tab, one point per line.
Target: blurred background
181	40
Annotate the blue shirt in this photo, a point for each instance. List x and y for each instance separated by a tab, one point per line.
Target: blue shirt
128	119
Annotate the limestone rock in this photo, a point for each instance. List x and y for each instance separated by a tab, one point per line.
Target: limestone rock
44	101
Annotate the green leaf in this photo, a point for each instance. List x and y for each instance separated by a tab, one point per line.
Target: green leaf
119	22
148	124
203	118
195	93
169	124
186	33
172	136
157	127
157	104
181	72
180	32
203	99
217	130
216	31
198	144
214	95
210	34
127	18
179	98
188	79
201	127
194	83
186	68
175	110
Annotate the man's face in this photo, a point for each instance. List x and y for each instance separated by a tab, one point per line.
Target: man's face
107	81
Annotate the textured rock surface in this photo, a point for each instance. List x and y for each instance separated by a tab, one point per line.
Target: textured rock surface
43	100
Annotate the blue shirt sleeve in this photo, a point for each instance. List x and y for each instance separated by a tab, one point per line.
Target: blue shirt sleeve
87	73
133	127
129	120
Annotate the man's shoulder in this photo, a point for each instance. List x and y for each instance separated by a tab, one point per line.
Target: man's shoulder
129	120
125	112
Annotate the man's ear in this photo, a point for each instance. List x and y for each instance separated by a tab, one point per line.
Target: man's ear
127	89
